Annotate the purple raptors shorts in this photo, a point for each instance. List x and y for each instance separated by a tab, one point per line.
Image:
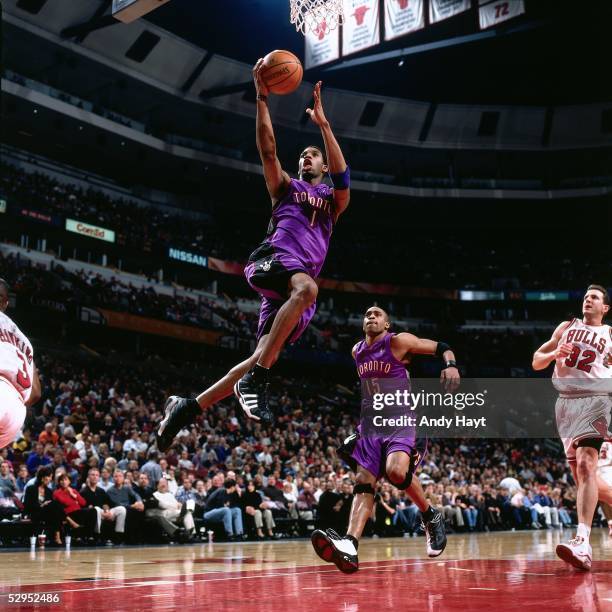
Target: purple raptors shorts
371	452
269	276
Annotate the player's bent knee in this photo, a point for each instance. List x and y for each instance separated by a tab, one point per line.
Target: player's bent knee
307	292
399	480
396	476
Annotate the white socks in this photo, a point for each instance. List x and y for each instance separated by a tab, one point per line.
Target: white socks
583	531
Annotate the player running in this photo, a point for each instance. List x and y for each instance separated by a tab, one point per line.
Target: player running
283	268
582	352
383	355
19	383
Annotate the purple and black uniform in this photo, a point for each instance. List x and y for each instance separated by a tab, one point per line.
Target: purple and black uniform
297	241
376	361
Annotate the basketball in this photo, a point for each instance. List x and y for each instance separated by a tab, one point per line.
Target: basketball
282	72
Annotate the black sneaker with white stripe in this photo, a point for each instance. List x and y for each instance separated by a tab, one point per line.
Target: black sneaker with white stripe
252	394
435	534
333	548
178	413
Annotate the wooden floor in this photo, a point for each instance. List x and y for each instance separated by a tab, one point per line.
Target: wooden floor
508	570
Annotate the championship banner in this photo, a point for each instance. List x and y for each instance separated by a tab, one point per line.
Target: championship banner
443	9
92	231
497	12
360	29
321	47
402	17
125	320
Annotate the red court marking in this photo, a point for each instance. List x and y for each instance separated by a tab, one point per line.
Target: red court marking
429	584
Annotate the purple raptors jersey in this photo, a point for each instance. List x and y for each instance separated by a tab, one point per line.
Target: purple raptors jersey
377	360
302	224
373	447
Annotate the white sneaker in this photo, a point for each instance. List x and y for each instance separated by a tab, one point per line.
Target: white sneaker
577	553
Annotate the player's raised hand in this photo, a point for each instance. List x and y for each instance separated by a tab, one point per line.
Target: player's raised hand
316	112
564	350
260	86
450	378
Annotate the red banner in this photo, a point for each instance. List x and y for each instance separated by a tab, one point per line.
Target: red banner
125	320
227	267
386	289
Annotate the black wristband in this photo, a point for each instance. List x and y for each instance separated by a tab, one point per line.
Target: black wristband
262	98
441	348
451	363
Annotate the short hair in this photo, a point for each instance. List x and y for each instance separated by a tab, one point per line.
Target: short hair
606	295
229	483
4	284
382	310
318	149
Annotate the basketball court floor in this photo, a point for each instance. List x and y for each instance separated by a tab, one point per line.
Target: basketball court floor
495	571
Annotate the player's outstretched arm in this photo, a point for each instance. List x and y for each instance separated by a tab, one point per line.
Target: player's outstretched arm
338	169
403	344
550	350
277	180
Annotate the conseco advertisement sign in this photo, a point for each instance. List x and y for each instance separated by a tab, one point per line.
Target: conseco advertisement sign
92	231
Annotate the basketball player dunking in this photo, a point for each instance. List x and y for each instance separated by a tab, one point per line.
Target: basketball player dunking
19	383
283	268
582	350
384	355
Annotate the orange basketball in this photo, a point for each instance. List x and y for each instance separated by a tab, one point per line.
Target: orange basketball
282	72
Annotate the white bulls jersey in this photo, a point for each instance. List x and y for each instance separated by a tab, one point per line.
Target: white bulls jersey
16	357
589	362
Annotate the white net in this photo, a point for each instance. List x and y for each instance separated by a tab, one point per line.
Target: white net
318	16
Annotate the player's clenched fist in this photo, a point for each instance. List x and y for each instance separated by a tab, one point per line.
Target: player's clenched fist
564	350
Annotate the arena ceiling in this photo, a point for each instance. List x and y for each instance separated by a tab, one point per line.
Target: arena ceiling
557	54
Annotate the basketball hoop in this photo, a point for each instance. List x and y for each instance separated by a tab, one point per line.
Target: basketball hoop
317	16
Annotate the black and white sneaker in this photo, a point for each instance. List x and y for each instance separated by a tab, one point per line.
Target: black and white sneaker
335	549
178	413
345	450
435	534
252	395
